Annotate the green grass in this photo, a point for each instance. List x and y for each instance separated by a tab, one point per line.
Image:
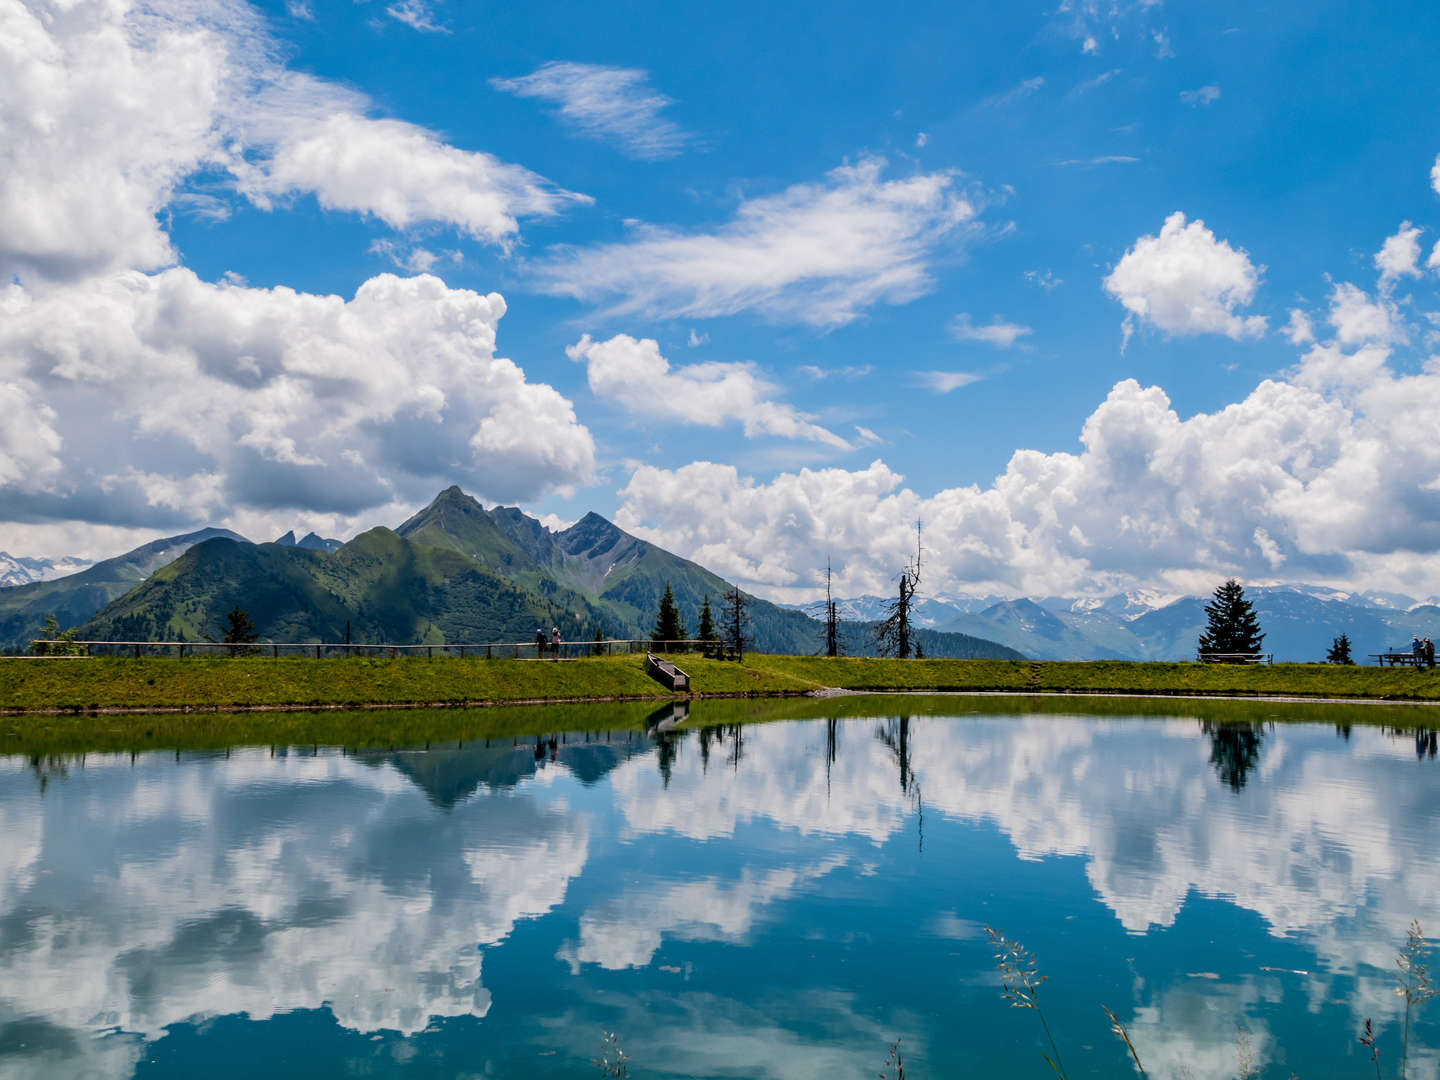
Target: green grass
214	683
250	682
1112	677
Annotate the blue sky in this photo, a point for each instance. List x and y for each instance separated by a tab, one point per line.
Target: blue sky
775	283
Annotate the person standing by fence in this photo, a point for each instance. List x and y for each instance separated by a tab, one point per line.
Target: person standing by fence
555	641
539	644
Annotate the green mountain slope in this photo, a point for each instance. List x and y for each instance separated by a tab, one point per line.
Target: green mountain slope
385	587
77	597
456	572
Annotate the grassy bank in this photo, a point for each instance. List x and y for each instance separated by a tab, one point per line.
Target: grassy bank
1112	677
91	685
257	682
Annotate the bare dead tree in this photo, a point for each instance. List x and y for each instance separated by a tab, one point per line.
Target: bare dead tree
735	618
833	645
893	636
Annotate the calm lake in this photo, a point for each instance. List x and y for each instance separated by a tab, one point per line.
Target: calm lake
777	899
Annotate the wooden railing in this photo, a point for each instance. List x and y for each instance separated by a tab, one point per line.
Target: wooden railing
490	650
1235	657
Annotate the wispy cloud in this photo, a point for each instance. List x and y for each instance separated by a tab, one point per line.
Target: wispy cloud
921	138
942	382
611	104
1046	280
299	9
418	15
849	372
1205	95
818	254
1015	93
1103	159
1002	335
1092	84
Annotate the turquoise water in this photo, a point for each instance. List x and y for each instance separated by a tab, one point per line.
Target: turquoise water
774	900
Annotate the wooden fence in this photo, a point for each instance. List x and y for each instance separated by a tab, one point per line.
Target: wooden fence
490	650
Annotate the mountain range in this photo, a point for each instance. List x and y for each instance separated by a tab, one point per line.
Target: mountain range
20	570
1299	621
454	572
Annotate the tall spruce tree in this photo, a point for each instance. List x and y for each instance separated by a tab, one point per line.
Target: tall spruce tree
668	626
1231	625
706	633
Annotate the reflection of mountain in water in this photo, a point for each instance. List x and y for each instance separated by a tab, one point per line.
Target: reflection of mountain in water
449	776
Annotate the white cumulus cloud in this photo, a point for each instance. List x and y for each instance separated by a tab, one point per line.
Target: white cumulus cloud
1400	254
634	374
228	398
1185	281
1299	330
1299	475
612	104
109	107
817	254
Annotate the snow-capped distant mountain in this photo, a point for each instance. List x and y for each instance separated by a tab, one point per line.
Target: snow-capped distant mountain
1390	601
22	570
1147	624
1126	605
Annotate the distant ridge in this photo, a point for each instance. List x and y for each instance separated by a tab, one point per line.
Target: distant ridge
76	597
454	572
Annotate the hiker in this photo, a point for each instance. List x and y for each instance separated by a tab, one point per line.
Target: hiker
1429	653
540	643
555	640
1417	650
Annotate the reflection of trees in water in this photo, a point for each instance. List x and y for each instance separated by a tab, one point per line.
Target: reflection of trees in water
1427	740
895	734
832	746
715	736
1234	749
666	749
47	767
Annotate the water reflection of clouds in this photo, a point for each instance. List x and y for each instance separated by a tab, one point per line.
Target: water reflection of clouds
133	898
260	895
1326	842
628	930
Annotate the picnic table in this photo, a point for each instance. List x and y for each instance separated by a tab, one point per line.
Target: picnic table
1391	659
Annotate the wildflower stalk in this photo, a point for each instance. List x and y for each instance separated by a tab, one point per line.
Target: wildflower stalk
1367	1040
1414	980
1124	1036
1021	988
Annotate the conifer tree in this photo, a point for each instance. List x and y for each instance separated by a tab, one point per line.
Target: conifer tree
239	630
1339	650
668	626
1231	625
706	632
